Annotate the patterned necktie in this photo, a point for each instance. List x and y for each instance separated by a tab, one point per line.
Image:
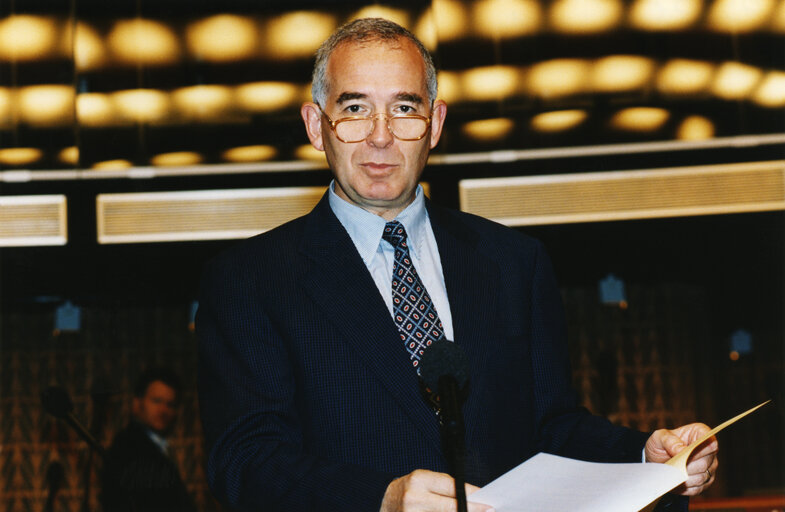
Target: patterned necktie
413	312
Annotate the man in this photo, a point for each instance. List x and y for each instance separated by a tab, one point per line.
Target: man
138	475
308	369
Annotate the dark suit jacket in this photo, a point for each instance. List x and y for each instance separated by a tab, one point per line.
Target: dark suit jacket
309	401
137	477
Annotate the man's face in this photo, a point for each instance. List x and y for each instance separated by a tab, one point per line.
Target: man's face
157	409
380	173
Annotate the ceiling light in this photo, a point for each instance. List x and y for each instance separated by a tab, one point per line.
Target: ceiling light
24	37
88	49
202	101
621	73
398	16
256	153
664	14
112	165
144	41
5	106
490	82
450	18
449	86
176	159
695	128
739	15
46	104
19	156
69	155
95	109
585	16
506	18
771	92
142	105
558	77
266	96
640	119
683	76
558	121
298	34
222	38
488	129
425	29
308	152
778	20
735	81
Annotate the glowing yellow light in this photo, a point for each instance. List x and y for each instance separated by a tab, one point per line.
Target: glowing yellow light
308	152
735	81
695	128
558	121
771	91
26	37
682	76
558	77
112	165
142	104
255	153
425	29
69	155
19	156
145	41
506	18
450	18
5	105
739	15
264	96
488	129
778	20
88	49
449	86
640	119
585	16
176	159
490	82
298	34
202	101
734	355
46	104
664	14
94	109
621	73
398	16
224	37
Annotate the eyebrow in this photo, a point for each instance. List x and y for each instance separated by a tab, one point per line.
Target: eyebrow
403	96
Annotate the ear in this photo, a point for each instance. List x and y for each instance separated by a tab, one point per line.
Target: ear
312	117
437	121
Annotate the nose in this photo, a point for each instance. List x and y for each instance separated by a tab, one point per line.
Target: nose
380	136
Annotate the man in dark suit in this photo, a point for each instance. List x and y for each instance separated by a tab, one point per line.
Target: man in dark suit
308	373
138	475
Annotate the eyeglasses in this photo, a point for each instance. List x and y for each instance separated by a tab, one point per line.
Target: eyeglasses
353	129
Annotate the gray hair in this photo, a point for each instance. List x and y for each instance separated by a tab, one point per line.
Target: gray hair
362	31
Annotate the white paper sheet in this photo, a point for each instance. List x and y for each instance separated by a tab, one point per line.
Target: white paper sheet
557	484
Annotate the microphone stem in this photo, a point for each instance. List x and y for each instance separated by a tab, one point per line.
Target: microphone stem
453	436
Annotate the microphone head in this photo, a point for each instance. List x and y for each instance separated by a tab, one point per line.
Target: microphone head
56	401
444	358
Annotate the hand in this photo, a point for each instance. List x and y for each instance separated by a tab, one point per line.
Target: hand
702	464
426	491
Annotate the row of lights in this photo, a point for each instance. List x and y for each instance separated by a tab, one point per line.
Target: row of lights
634	119
228	37
58	105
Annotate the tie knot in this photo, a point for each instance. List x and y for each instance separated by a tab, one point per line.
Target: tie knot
395	233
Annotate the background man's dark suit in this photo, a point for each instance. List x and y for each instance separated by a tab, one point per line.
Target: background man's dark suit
309	401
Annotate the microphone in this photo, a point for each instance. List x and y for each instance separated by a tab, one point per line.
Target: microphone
444	370
56	402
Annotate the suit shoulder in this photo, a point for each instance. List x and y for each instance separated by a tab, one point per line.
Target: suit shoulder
491	233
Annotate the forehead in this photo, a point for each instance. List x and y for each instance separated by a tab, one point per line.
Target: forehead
159	388
379	68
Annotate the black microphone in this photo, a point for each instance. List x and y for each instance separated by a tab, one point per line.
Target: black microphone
56	402
444	370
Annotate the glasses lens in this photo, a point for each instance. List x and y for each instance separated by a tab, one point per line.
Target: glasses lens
354	130
408	128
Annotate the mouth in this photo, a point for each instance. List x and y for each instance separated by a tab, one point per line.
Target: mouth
378	167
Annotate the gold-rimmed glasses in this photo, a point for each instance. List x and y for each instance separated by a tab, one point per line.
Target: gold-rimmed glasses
406	127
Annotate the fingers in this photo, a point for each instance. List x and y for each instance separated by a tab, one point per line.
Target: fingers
426	491
701	474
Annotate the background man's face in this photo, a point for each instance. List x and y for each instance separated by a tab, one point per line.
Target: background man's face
157	409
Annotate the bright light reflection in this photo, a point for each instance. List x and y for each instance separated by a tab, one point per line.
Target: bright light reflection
771	92
449	86
25	37
490	82
558	121
585	16
398	16
19	156
735	81
488	129
778	20
558	77
739	15
640	119
142	104
265	96
5	106
664	14
288	37
506	18
200	101
89	52
144	41
69	155
695	128
256	153
46	104
221	38
621	73
683	76
451	19
176	159
112	165
94	109
310	153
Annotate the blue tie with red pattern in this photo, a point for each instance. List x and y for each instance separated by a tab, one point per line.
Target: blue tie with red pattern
413	311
